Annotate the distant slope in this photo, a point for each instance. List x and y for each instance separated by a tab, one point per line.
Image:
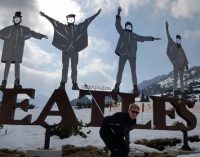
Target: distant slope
163	83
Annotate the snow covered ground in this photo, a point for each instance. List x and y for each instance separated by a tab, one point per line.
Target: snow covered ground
31	137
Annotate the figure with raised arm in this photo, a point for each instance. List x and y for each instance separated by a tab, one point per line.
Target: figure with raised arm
14	37
126	50
178	59
70	39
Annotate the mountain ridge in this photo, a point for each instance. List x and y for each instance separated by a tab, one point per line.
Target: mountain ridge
164	83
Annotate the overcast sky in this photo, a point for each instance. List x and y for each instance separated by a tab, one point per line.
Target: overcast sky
41	66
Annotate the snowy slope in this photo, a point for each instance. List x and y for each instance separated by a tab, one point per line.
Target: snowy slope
164	84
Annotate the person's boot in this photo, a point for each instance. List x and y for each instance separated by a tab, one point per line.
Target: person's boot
62	85
75	86
183	95
116	88
3	84
135	89
175	94
17	84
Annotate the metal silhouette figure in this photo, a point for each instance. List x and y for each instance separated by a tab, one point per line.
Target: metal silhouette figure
70	39
14	37
126	50
178	59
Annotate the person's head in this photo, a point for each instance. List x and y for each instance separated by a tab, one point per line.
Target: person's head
17	19
133	111
70	18
178	39
128	26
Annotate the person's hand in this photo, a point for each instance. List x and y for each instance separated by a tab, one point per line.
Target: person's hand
42	13
45	36
156	38
99	11
119	10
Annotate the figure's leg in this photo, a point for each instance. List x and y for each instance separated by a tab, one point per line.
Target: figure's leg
74	63
65	63
132	62
17	70
175	82
17	76
5	77
6	71
122	61
181	80
181	72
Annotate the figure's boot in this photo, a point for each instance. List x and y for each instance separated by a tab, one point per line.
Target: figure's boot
75	86
135	89
17	84
116	88
3	84
62	85
175	94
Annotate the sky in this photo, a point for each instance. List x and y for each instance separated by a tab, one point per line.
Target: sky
98	63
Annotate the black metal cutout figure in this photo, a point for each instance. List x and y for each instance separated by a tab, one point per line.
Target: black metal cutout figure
70	39
126	50
178	59
14	37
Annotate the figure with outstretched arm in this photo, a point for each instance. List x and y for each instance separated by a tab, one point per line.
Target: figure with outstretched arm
178	59
126	50
14	37
70	39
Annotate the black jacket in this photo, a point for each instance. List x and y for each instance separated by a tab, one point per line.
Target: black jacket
117	125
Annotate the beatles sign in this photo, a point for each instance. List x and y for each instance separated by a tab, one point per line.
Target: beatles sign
68	118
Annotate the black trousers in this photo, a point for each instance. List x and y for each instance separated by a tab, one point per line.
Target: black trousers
115	144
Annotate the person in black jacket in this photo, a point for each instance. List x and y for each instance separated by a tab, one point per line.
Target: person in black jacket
115	127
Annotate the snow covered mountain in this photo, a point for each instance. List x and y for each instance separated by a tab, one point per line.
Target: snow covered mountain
164	83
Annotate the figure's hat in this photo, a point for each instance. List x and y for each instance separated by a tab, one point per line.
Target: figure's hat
71	15
18	14
128	23
178	36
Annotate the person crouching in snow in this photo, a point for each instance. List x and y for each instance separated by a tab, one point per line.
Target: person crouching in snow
115	127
